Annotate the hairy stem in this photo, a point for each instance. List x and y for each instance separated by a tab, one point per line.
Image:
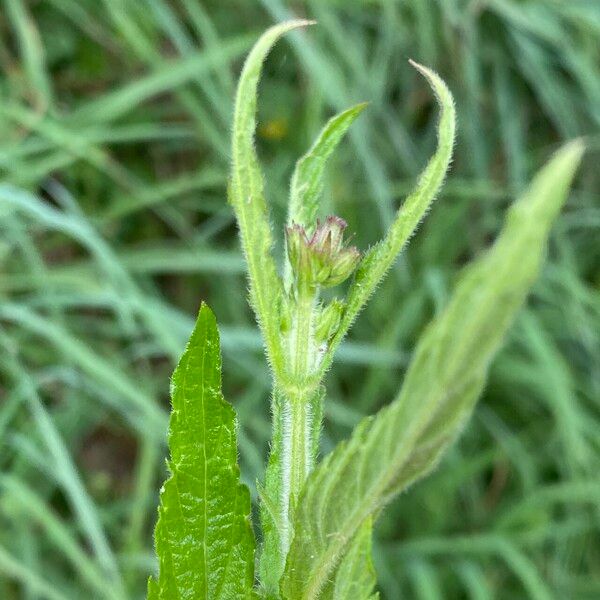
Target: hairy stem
298	447
302	351
297	453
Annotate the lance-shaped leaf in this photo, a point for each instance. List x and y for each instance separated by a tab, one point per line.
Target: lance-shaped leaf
378	260
307	180
404	441
203	536
246	194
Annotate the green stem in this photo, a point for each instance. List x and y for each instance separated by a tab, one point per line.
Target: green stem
300	449
302	345
297	428
297	401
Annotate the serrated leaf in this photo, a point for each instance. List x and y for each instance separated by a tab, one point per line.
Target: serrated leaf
404	441
203	536
378	260
307	180
246	194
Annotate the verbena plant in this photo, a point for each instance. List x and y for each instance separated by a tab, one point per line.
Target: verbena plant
316	517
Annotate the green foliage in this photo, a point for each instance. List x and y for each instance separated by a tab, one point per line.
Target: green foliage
355	575
114	162
247	198
405	440
307	181
317	520
378	260
291	312
203	535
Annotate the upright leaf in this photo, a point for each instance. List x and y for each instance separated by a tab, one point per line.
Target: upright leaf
404	441
378	260
307	180
203	536
246	195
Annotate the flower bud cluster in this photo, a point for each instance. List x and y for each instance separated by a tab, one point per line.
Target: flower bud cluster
321	260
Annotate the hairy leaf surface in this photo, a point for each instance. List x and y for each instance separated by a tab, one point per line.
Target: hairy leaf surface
246	194
355	577
203	536
378	260
404	441
307	180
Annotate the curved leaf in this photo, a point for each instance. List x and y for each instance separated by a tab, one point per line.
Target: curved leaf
246	194
404	441
378	260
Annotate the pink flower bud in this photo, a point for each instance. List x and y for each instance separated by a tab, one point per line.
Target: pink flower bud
321	259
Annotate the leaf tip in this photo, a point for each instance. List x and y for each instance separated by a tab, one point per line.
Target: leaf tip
425	71
443	96
205	311
573	150
434	79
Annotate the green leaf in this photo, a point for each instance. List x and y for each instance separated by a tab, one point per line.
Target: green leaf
378	260
355	577
246	194
203	536
307	180
404	441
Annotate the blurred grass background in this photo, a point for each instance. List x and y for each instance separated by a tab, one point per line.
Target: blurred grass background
114	133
